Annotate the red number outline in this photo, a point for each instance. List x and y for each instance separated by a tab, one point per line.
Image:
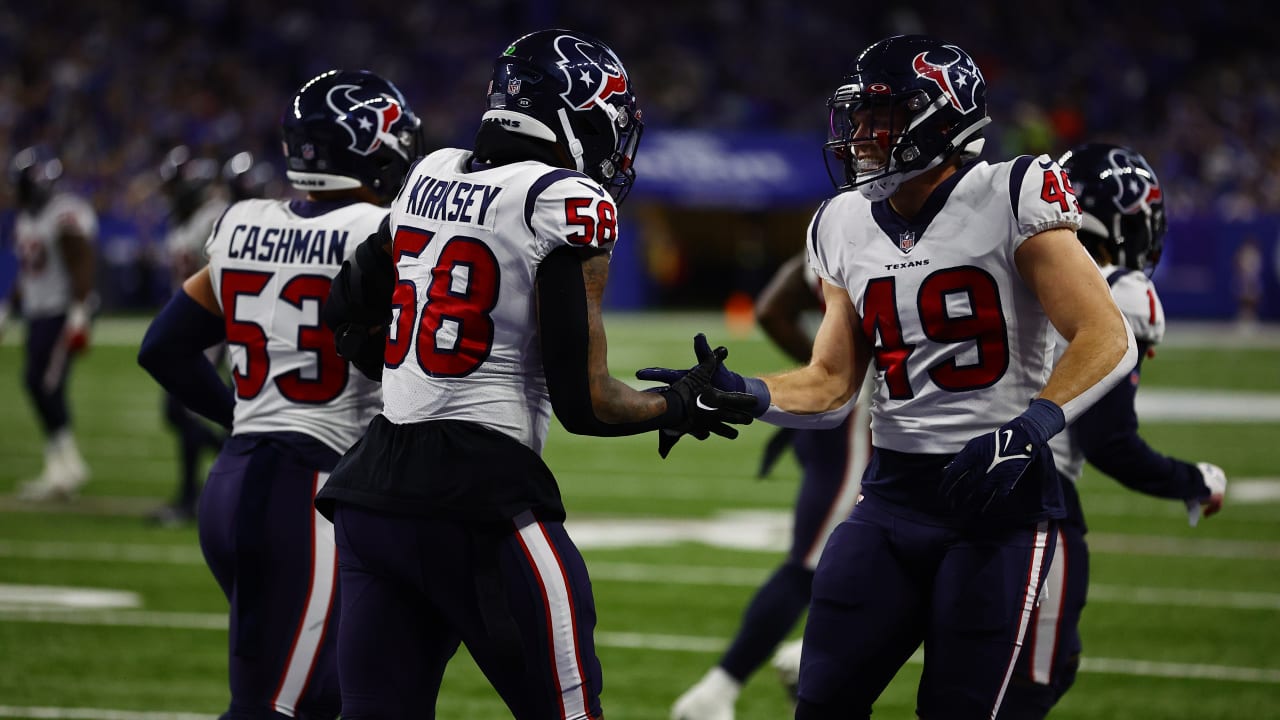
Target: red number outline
246	333
332	371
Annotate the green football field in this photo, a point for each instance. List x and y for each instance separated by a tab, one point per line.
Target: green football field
105	616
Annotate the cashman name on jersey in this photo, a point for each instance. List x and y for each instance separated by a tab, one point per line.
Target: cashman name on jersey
905	265
287	245
452	201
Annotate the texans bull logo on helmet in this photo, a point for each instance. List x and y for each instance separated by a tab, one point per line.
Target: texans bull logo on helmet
1136	186
954	72
368	121
586	80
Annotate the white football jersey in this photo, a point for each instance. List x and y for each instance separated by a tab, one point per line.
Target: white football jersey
271	262
1136	296
43	278
961	344
185	242
468	243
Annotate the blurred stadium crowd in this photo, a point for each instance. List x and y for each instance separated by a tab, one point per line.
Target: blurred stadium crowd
113	87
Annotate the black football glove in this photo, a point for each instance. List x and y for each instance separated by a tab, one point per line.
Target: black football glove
702	408
363	347
990	465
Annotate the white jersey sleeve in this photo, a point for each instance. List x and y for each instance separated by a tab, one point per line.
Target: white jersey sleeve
271	263
1044	200
815	251
1136	296
575	211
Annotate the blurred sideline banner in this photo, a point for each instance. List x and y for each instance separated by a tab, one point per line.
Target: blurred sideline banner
730	169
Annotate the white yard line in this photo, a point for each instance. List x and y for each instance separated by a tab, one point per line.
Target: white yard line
636	641
695	575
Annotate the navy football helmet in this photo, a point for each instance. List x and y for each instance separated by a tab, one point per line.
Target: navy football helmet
348	128
909	103
1122	201
33	172
571	90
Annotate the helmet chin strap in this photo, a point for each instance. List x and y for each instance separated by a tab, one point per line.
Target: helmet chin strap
574	144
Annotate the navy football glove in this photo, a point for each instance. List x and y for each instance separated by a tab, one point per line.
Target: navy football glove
722	378
703	408
990	465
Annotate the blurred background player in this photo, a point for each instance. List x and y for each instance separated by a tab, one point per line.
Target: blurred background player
831	461
349	139
55	233
494	264
1122	228
247	177
196	201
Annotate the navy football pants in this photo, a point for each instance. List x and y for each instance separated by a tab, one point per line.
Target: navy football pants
274	557
1051	651
886	583
413	588
45	373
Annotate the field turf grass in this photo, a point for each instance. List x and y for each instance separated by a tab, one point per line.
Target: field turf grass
1181	623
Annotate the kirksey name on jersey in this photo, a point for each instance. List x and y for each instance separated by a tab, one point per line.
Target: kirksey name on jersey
468	242
941	301
271	263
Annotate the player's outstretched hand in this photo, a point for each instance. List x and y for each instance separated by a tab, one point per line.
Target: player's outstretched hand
76	329
990	465
705	408
722	378
1215	483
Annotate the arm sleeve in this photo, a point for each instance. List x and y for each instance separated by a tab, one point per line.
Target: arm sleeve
1108	434
359	304
562	328
173	353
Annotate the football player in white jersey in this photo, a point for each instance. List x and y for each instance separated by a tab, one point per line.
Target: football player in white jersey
196	204
492	269
1122	228
832	461
349	140
55	232
948	277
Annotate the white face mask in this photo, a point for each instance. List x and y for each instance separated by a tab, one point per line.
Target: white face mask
881	189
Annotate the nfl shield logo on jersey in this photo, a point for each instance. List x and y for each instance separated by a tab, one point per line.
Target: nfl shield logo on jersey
906	240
